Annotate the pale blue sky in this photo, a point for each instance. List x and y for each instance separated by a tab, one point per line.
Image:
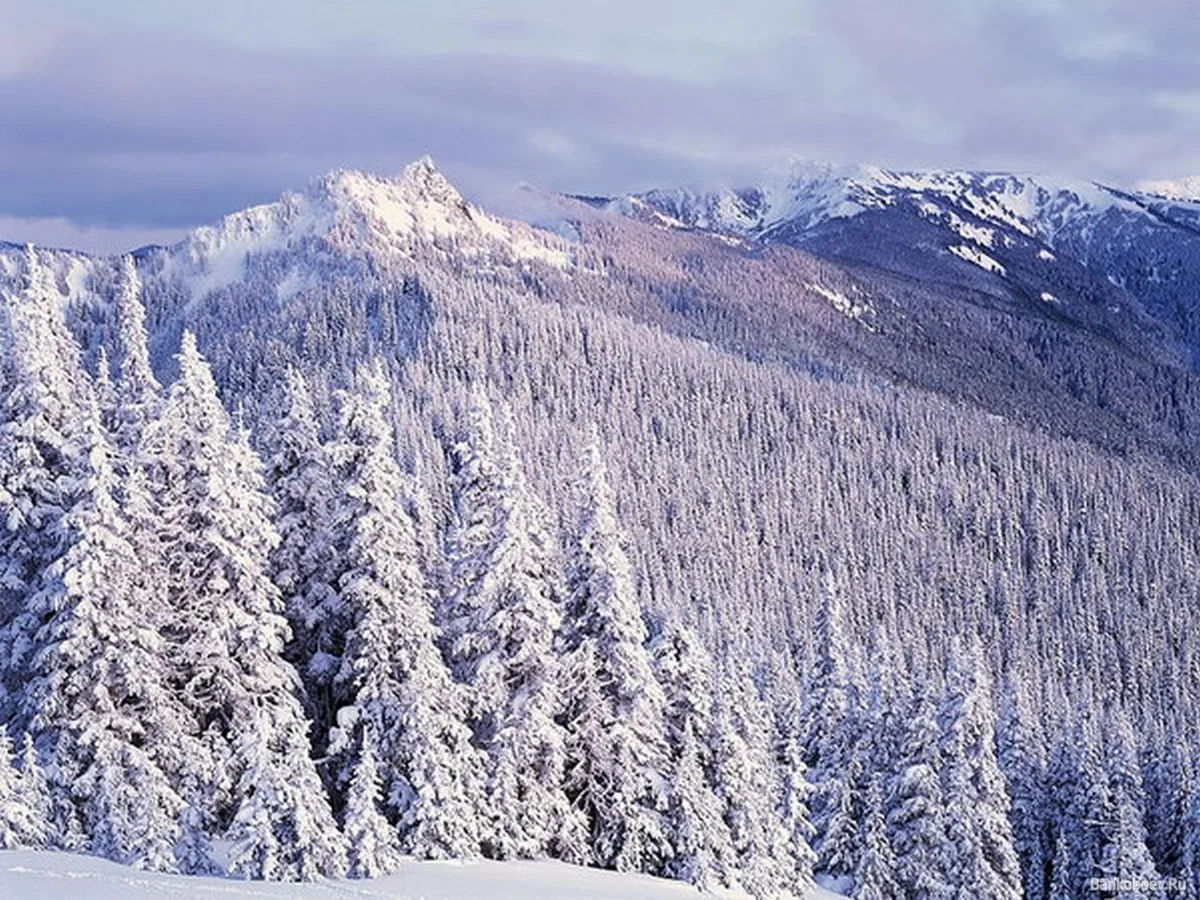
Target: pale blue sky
132	114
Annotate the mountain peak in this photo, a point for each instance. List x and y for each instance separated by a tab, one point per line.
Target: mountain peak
420	182
357	213
426	180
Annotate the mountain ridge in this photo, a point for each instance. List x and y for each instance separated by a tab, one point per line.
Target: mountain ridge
938	295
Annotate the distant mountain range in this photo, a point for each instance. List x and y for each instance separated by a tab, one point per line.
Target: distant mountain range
1014	227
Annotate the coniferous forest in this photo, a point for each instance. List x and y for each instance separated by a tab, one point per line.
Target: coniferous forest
309	602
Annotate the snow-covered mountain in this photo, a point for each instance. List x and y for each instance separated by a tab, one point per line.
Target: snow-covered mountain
914	457
353	216
908	265
1143	241
802	194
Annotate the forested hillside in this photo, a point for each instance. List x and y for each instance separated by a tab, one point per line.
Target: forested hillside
366	524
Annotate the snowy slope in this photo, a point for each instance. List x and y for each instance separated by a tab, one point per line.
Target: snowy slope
1145	242
356	215
802	195
62	876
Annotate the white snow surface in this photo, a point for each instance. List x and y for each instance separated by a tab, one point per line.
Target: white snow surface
1186	188
352	210
802	194
974	255
843	304
38	875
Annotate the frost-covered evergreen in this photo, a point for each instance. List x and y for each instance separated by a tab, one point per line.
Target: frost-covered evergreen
982	861
504	616
226	636
831	742
138	391
875	870
43	393
391	674
916	817
299	476
702	846
795	794
22	821
616	747
282	829
96	701
476	497
1022	760
1125	854
372	842
747	783
1189	863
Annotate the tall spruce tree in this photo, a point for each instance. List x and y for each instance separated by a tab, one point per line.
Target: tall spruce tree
226	635
505	613
138	392
96	701
1126	854
795	796
983	863
916	819
618	758
747	783
391	677
875	870
1022	759
43	393
702	846
22	821
830	739
372	841
299	476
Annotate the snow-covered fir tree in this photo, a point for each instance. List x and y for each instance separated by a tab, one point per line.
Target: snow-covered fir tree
373	844
476	494
138	391
391	676
983	862
504	616
1022	759
916	816
22	822
96	701
1085	812
875	870
702	846
795	795
831	741
226	636
299	476
616	745
105	392
747	784
44	392
1189	862
1125	854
